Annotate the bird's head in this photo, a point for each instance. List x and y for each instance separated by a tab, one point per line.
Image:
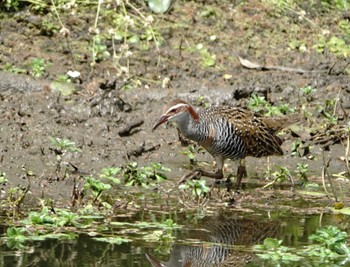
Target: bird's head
176	110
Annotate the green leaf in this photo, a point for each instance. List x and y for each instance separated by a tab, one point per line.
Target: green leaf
271	243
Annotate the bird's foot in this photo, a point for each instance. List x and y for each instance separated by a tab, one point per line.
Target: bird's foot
192	175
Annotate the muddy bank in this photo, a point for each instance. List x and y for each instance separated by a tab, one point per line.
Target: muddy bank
109	115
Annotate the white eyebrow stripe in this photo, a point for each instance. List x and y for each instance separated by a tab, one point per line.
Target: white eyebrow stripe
176	106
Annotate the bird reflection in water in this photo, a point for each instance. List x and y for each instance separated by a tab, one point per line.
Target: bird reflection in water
220	233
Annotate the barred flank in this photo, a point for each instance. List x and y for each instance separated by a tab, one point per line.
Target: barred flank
236	133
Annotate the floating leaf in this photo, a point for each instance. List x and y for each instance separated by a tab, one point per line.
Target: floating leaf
113	240
312	193
345	211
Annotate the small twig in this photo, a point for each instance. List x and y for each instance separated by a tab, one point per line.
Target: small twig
256	66
95	27
323	180
64	30
180	49
270	183
347	151
324	174
336	102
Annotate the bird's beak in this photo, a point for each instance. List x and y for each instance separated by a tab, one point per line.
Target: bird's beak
160	121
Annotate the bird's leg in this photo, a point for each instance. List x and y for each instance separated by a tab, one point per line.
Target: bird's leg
219	174
198	173
241	172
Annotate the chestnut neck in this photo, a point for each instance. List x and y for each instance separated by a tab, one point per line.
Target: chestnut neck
193	114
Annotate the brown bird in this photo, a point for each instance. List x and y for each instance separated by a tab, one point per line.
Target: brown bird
226	132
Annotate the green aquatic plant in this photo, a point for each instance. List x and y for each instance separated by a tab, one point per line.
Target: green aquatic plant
52	217
111	174
198	188
162	232
16	196
11	68
279	176
63	78
96	186
15	237
144	176
62	147
302	172
330	246
273	251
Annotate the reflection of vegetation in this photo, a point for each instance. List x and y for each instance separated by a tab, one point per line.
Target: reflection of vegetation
162	233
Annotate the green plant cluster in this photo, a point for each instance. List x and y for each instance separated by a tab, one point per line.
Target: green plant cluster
61	223
119	32
329	246
259	104
198	188
128	175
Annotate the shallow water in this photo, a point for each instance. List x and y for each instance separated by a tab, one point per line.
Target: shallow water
207	241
